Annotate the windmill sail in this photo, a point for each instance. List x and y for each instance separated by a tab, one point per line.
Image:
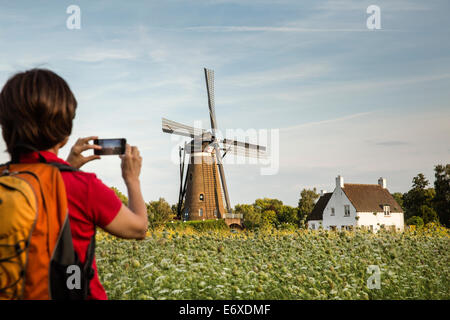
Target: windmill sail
209	77
173	127
222	177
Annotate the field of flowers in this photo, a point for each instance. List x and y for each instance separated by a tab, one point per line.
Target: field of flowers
276	265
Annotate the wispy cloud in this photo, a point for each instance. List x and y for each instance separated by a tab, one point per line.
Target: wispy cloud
324	122
362	85
391	143
271	29
274	76
102	54
354	5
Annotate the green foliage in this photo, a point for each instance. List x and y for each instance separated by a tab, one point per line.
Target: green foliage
159	212
251	217
280	265
174	209
418	196
420	182
269	218
428	214
266	213
288	215
306	204
121	196
441	200
415	221
399	198
268	204
198	225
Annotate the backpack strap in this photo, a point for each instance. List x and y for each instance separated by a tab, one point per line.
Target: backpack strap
63	167
88	268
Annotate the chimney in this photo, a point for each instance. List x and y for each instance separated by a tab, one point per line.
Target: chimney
339	181
322	192
382	182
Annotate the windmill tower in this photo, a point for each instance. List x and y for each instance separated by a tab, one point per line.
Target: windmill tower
203	192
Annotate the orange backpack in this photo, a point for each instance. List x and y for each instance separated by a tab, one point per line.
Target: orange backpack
37	258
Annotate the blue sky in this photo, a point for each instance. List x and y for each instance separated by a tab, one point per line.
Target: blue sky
347	100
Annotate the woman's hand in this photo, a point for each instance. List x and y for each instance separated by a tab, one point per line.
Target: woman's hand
75	158
131	164
131	222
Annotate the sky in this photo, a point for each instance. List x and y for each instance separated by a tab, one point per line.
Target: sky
342	99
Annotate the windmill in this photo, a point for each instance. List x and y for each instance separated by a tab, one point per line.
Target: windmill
203	186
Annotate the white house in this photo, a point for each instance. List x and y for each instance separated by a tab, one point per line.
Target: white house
352	205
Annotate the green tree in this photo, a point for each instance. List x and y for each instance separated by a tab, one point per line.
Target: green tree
306	204
288	214
267	212
399	198
420	181
428	214
441	200
252	218
121	196
269	218
418	196
159	212
265	204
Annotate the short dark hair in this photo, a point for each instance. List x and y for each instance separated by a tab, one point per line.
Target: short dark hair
37	108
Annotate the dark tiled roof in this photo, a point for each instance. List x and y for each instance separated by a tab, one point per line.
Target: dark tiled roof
370	197
317	212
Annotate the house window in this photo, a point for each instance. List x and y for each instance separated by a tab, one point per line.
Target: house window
346	210
332	212
387	210
200	212
202	197
313	226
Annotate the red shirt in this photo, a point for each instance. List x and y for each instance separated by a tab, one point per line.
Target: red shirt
91	203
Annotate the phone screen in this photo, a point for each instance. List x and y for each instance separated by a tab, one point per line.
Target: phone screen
110	146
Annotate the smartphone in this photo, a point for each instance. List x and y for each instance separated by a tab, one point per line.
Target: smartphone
110	146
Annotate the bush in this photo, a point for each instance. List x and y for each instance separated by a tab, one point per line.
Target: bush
159	212
267	213
415	221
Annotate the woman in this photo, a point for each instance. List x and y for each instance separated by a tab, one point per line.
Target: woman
37	108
